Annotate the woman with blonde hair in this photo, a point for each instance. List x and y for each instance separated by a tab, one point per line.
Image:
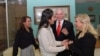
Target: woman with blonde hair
86	37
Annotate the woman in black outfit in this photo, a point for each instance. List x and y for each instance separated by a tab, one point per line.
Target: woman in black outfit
24	38
86	37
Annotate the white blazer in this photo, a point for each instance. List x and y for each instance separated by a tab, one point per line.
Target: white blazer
47	43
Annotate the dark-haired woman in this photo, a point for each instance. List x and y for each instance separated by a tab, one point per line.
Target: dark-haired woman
47	43
24	38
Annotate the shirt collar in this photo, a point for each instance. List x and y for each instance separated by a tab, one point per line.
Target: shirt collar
60	21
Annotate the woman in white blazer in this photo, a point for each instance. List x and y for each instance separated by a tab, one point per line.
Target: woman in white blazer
47	43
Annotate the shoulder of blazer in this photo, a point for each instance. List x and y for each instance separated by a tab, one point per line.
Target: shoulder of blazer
66	22
43	30
20	31
89	35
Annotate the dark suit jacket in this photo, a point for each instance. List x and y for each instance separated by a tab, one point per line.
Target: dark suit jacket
84	46
69	26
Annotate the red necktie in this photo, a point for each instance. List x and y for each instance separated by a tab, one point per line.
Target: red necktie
58	28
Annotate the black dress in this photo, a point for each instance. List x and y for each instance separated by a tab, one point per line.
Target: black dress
23	39
84	46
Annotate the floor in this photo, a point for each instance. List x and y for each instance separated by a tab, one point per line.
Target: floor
8	52
97	52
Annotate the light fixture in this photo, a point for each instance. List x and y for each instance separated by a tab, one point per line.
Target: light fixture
90	8
20	2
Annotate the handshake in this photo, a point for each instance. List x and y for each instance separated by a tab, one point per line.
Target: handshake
66	43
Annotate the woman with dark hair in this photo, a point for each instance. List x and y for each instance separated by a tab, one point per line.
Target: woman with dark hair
24	38
47	43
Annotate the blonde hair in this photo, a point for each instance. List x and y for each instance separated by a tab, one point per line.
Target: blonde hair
87	27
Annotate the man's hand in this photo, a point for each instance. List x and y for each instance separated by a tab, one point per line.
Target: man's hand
65	31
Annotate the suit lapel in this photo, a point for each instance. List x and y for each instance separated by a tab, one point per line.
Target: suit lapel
63	25
55	28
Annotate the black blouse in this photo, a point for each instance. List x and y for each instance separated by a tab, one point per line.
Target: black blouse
84	46
23	39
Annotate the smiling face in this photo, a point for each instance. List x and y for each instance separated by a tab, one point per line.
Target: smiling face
59	14
27	23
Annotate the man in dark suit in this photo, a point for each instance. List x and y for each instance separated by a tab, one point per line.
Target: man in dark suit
62	30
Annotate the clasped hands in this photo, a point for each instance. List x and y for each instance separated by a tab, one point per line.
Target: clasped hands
66	43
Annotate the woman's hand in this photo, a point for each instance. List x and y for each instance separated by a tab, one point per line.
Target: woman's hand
66	43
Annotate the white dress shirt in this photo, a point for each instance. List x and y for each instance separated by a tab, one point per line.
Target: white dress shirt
47	43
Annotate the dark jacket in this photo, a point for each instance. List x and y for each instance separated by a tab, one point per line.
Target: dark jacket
23	39
69	26
84	46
